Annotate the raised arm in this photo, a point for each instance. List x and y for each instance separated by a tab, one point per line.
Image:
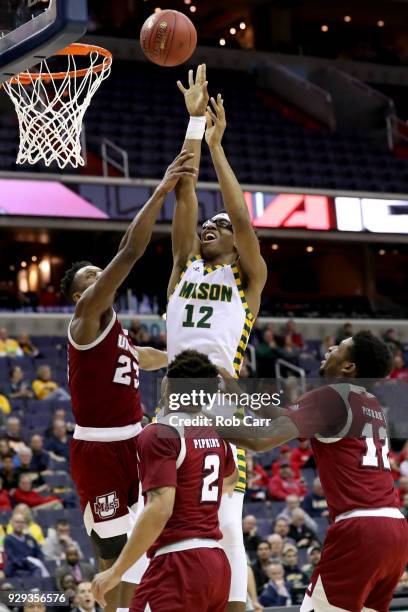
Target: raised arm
251	261
185	241
98	298
151	358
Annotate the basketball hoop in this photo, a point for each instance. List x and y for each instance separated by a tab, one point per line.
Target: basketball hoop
51	105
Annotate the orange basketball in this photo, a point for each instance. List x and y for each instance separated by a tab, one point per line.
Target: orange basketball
168	38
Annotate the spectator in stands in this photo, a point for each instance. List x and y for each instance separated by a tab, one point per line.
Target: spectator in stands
281	527
13	433
135	330
249	529
293	574
25	456
267	353
58	540
58	442
399	371
277	590
18	387
5	408
49	297
302	535
24	494
285	483
289	351
314	553
293	502
80	570
5	503
302	456
60	414
33	529
276	543
84	600
327	342
41	458
257	480
68	586
315	503
5	450
9	473
285	456
23	554
295	336
8	346
27	345
262	560
345	331
47	389
391	340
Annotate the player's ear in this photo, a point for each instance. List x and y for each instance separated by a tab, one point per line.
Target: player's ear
76	297
349	369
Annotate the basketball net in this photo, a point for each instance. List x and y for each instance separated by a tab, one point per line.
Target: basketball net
50	106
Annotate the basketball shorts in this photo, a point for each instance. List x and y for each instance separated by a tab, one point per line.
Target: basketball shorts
196	580
362	561
107	482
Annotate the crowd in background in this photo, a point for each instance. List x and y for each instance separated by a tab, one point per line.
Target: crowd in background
283	545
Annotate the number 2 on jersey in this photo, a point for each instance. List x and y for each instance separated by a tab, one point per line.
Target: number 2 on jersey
207	311
371	457
209	490
125	371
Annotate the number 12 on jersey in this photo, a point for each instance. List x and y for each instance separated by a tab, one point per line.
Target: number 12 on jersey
203	322
372	457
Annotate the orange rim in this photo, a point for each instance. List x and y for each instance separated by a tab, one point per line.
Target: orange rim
25	78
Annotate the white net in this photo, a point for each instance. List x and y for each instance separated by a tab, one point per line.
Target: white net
51	107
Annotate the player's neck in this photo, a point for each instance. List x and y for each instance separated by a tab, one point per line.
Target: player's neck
221	260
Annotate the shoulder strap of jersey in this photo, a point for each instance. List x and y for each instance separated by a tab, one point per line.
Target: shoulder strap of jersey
184	270
180	430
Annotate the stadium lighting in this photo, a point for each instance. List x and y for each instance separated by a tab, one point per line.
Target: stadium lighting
34	258
309	249
193	8
242	25
347	18
157	9
324	28
222	42
23	264
275	247
12	268
380	23
233	30
382	252
187	1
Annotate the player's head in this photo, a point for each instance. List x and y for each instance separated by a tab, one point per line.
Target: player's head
217	237
80	276
189	372
362	356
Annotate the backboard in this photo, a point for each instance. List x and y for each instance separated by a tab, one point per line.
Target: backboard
35	29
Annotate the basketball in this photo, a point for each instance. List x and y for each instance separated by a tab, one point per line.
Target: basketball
168	38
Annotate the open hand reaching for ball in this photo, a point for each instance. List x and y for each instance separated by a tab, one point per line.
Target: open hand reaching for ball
196	96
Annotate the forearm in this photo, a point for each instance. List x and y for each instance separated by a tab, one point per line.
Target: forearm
231	190
152	359
146	531
140	230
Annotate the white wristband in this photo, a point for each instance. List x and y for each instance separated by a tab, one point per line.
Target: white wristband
196	128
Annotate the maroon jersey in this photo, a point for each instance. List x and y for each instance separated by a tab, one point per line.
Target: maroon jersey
349	438
104	379
196	465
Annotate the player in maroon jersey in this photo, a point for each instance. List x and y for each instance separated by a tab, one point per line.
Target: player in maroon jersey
183	469
366	547
103	368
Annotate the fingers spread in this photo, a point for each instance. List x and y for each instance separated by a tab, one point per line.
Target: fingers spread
212	115
209	120
181	87
190	78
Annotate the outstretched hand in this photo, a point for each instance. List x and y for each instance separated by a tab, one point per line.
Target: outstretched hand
175	171
216	122
196	96
103	583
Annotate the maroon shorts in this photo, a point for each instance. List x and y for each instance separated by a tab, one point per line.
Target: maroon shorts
362	561
198	579
107	482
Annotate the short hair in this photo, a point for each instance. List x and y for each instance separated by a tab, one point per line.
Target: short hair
371	355
266	542
193	365
68	281
62	522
